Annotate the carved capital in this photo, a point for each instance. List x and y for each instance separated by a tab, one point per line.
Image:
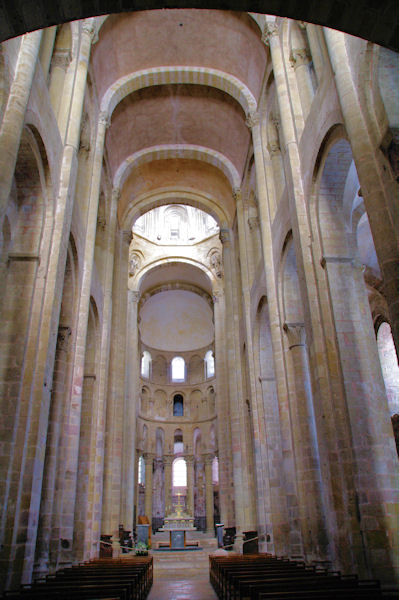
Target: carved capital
134	295
168	459
253	223
299	57
215	262
134	263
116	194
273	148
252	119
148	457
61	59
189	459
89	29
127	237
295	334
270	30
224	236
104	119
208	458
237	193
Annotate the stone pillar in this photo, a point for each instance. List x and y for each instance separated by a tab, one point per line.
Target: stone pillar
93	532
129	417
306	456
208	458
167	461
223	408
149	461
241	473
113	495
14	114
283	529
73	426
33	417
190	484
378	190
257	461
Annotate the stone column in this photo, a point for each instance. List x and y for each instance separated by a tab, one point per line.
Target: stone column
93	531
190	484
129	419
113	495
149	461
306	456
223	408
14	114
33	417
73	426
378	190
241	472
208	458
167	461
257	461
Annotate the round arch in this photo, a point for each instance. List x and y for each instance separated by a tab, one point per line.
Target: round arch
200	200
179	74
165	151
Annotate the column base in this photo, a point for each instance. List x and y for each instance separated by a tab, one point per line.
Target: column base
239	543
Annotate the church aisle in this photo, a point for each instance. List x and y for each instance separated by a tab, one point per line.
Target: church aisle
182	587
183	575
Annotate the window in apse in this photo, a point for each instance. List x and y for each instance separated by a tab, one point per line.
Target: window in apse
145	364
209	364
178	369
179	473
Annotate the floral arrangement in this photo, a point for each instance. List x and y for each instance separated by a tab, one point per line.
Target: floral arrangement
141	549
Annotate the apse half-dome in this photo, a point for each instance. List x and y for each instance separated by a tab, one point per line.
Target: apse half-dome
176	320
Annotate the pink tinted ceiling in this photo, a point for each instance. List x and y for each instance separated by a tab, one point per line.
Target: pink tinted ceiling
224	40
178	114
179	174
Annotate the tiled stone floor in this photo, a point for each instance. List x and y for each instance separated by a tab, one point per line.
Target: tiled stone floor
181	586
181	576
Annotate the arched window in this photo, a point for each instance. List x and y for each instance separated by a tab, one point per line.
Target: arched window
178	447
179	473
178	407
178	369
389	366
146	364
209	364
141	472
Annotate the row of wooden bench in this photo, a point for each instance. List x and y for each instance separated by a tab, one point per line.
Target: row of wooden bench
264	577
104	578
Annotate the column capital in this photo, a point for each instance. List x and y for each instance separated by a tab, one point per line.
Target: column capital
148	457
64	333
252	119
296	334
217	295
253	223
299	57
61	59
104	118
168	459
224	236
208	458
127	237
237	193
189	459
270	30
116	194
134	295
90	30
